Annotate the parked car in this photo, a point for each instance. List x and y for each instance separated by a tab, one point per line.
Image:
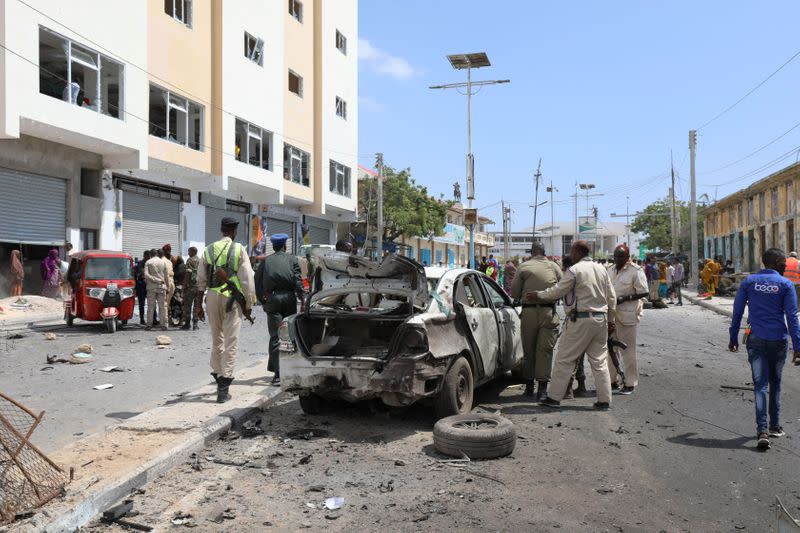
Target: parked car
398	332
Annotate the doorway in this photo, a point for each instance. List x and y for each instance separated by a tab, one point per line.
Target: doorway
790	235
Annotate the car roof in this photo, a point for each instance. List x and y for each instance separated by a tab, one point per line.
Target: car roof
444	272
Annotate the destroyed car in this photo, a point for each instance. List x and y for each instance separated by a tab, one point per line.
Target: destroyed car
397	332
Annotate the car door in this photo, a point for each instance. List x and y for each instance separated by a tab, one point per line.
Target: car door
479	321
510	325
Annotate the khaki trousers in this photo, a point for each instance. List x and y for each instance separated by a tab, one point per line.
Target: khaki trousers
588	335
654	290
539	333
225	327
626	334
156	296
170	294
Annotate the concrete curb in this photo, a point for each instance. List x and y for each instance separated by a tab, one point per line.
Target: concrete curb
95	503
708	305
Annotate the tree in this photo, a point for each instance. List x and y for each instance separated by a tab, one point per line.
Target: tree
408	209
654	223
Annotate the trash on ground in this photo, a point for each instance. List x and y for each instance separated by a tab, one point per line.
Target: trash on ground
83	348
183	519
79	358
104	386
50	336
113	369
334	503
163	340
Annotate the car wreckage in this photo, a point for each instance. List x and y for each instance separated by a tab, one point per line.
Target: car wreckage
397	332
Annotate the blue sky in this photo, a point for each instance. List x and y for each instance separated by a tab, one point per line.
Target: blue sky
601	91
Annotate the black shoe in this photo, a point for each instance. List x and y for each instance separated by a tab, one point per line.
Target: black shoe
763	441
223	385
549	402
215	376
602	406
626	390
186	327
276	381
195	327
615	386
529	388
777	432
541	392
148	328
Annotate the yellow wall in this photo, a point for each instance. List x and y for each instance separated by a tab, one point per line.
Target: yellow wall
180	60
298	121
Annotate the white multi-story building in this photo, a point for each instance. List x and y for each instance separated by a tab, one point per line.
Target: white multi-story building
203	110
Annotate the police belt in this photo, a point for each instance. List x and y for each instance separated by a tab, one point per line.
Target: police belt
527	306
589	314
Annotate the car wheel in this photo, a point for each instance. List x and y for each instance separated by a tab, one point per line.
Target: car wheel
478	436
457	390
311	404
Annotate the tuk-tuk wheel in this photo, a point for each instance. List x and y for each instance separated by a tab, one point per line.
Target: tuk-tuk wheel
111	325
69	318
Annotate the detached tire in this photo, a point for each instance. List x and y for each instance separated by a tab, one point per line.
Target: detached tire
478	436
311	404
458	390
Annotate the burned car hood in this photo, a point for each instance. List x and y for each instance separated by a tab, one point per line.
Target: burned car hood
342	273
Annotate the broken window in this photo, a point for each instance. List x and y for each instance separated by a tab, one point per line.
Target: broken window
79	75
295	84
176	118
295	165
296	10
254	49
253	145
341	108
339	179
341	42
180	10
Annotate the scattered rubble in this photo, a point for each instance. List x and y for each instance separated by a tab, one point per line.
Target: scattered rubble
163	340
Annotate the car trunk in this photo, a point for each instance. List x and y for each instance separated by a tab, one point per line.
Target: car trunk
346	336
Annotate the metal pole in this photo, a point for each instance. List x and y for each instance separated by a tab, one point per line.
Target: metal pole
693	212
536	197
380	206
552	218
575	234
628	222
673	224
470	167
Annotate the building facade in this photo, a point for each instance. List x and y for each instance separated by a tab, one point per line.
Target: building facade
203	110
557	240
744	224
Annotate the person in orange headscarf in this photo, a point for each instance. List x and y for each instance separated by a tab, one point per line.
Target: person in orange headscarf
710	276
16	274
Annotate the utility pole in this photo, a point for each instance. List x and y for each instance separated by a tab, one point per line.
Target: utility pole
505	229
577	232
695	281
379	158
552	189
596	232
536	197
673	222
628	223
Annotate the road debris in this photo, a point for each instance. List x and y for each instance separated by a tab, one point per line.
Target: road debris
334	503
316	488
183	519
399	462
305	459
163	340
104	386
113	369
50	336
387	486
735	387
83	348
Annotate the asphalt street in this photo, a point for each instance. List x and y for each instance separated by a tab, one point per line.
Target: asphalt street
678	455
153	376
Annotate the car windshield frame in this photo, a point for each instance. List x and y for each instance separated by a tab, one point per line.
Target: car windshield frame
99	268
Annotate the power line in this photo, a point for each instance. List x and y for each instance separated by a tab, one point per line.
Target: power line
167	82
758	170
751	91
751	154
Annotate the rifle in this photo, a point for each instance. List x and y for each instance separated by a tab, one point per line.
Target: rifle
612	352
236	295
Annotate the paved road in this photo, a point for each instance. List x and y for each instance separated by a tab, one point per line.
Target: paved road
64	391
676	456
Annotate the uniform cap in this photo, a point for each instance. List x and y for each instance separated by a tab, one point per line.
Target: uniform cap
229	222
279	238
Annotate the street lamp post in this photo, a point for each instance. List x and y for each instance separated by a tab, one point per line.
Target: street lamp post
469	62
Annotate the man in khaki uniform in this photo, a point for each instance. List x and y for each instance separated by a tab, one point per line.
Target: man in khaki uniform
539	320
156	277
168	259
630	284
589	298
224	325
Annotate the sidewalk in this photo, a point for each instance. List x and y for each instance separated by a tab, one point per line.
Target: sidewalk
41	311
722	305
110	464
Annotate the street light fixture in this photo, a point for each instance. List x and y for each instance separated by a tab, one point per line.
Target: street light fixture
468	62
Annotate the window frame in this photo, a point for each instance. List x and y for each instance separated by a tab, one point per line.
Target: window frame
341	108
341	42
340	174
299	92
256	54
189	108
186	14
253	131
295	158
296	10
100	63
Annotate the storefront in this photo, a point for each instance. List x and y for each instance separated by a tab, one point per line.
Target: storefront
218	208
319	231
151	216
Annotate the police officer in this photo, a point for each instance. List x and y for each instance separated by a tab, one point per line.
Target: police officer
589	298
225	325
539	320
280	278
630	285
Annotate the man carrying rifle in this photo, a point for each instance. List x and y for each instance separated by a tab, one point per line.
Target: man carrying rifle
280	279
225	269
630	284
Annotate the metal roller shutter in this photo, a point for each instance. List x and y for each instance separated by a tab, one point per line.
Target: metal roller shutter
319	235
274	226
214	218
150	222
33	208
